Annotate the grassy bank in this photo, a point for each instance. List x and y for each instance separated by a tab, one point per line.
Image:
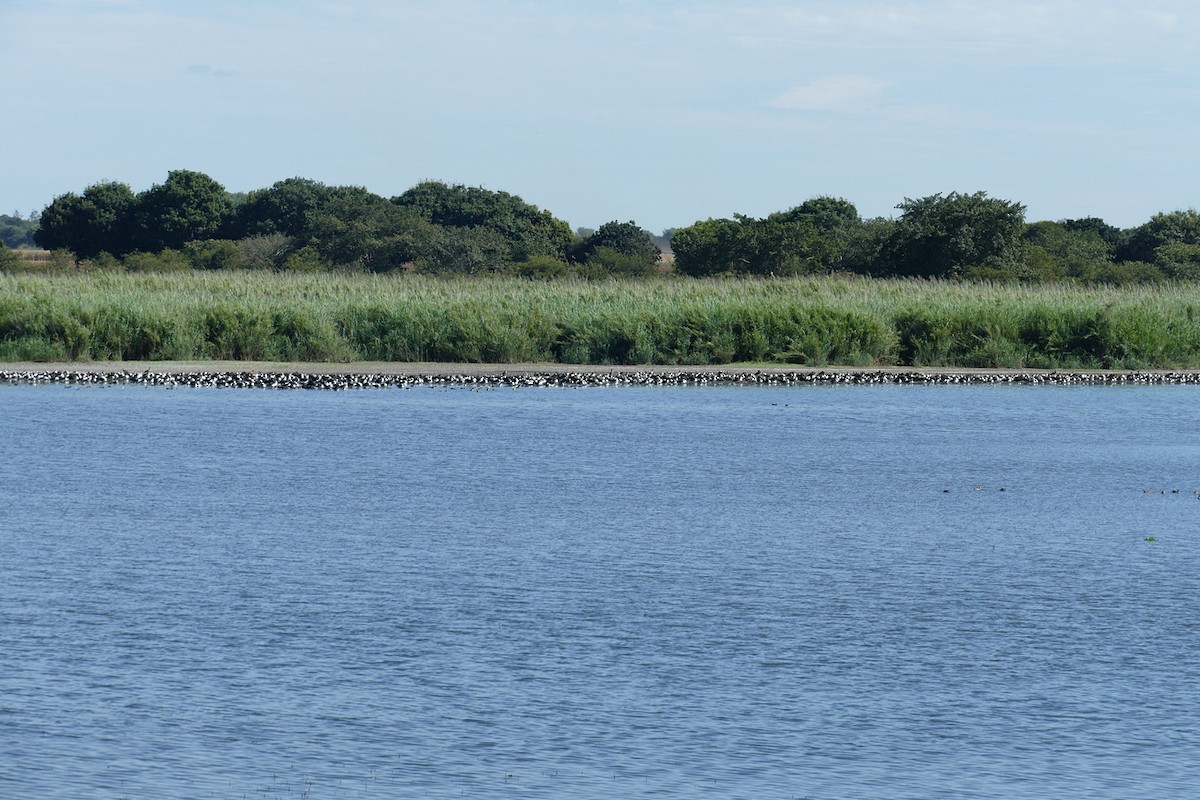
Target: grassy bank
817	321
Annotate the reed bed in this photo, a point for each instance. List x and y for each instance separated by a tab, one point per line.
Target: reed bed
815	320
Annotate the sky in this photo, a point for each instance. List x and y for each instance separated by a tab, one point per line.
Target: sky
663	112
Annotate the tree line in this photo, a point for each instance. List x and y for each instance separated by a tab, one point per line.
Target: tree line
17	231
191	221
952	236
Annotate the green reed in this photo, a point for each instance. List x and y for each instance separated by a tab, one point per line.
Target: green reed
816	321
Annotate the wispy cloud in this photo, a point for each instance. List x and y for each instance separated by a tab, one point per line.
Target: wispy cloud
831	93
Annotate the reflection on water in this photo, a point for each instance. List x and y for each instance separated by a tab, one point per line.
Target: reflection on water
761	593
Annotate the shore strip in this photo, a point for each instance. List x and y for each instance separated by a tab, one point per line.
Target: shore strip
328	376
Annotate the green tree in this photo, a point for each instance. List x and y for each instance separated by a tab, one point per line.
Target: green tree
356	228
1055	251
16	231
944	236
111	208
64	224
529	230
101	220
864	252
285	207
1161	229
1178	260
840	227
829	214
710	247
188	206
822	234
1115	238
625	238
826	228
783	245
468	250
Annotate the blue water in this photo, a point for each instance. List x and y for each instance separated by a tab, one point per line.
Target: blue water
600	593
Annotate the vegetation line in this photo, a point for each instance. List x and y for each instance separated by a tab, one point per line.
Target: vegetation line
811	320
191	222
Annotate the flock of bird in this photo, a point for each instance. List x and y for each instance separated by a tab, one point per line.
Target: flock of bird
254	379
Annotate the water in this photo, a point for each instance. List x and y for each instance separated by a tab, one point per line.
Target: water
586	593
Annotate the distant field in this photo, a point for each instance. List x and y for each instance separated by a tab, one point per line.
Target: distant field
29	254
814	321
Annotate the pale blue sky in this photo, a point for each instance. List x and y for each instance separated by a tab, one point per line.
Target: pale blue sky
662	111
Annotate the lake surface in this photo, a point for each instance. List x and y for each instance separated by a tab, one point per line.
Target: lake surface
600	593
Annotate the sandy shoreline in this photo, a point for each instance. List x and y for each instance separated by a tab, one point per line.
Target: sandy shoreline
277	375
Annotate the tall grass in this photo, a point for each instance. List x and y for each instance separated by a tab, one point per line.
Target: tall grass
816	321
